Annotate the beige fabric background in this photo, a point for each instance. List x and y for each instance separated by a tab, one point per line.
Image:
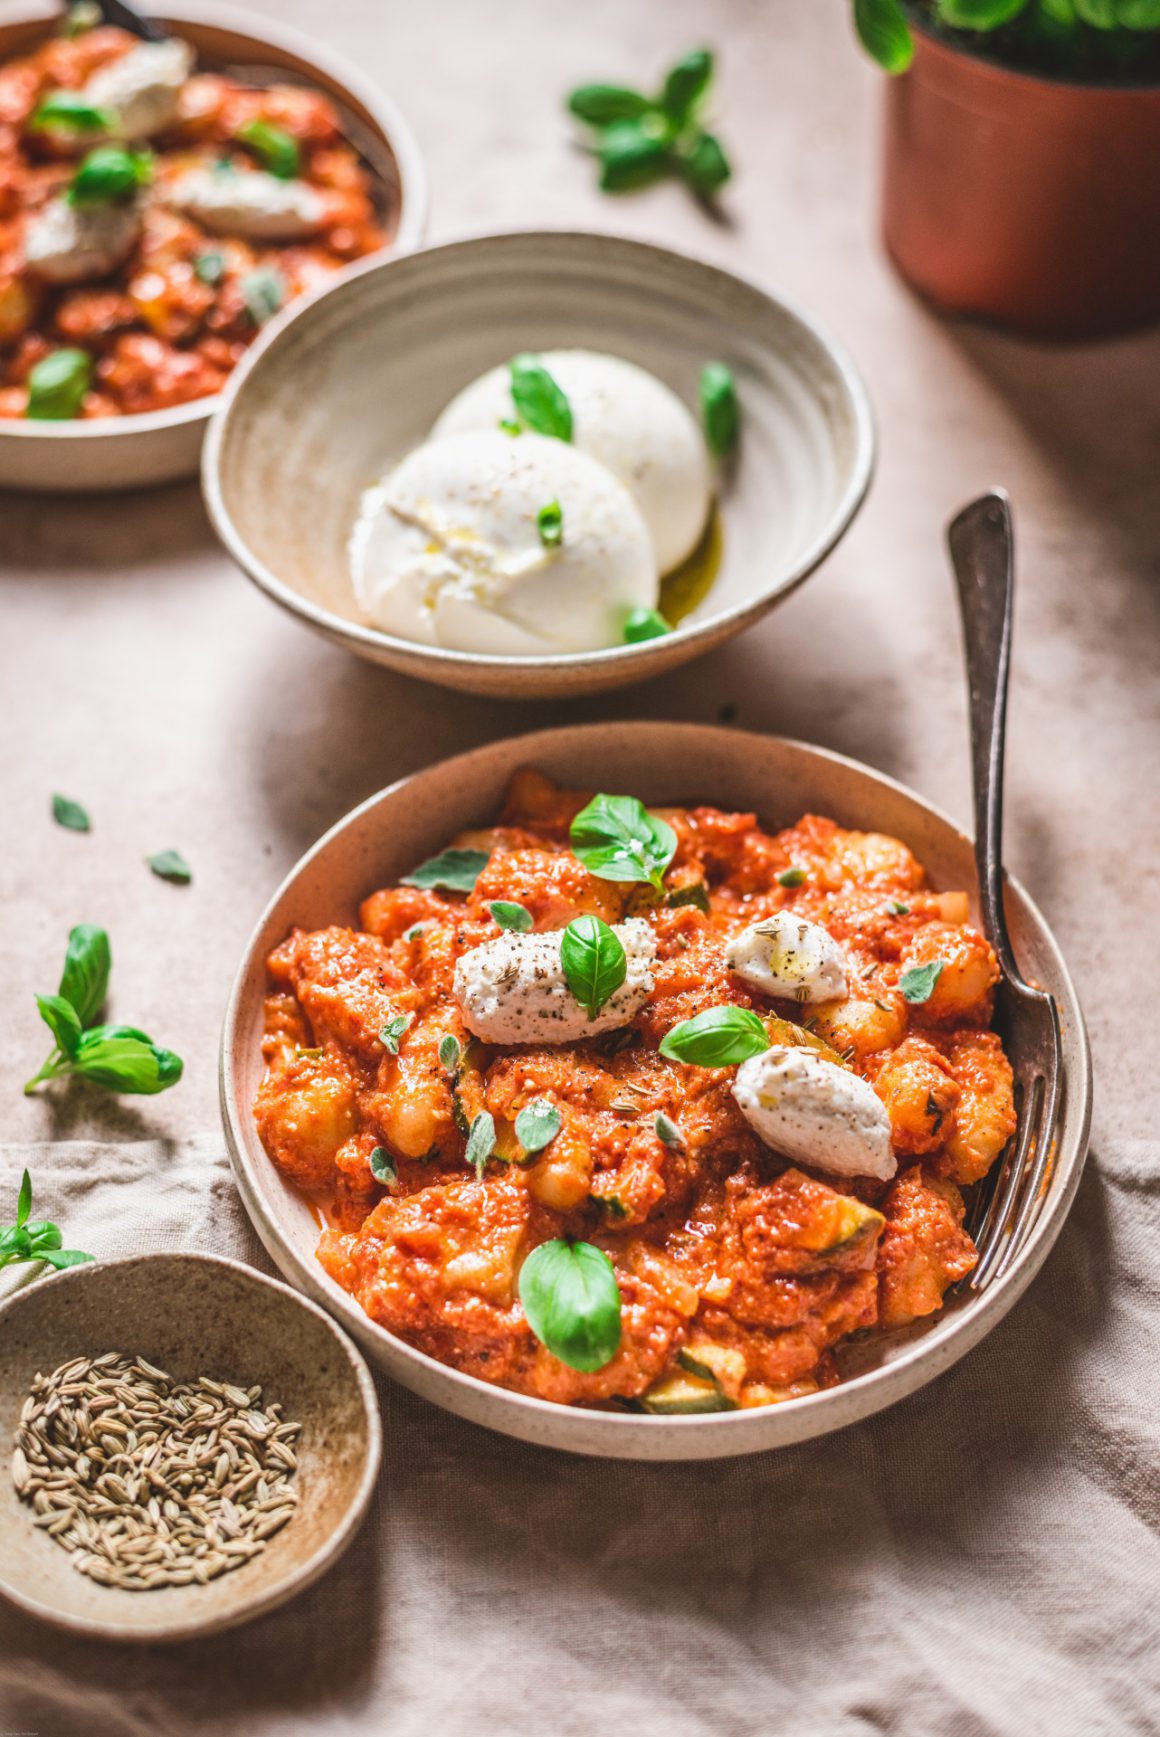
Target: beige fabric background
980	1562
845	1588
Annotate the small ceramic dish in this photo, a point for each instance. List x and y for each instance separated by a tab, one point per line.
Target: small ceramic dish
193	1315
661	763
163	445
355	376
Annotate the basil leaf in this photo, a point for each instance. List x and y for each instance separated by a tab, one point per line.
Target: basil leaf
539	401
61	1019
791	877
632	155
109	175
383	1166
696	894
449	1052
1138	14
81	17
72	111
84	980
456	870
43	1234
56	392
897	908
170	865
65	811
263	292
717	1038
393	1030
210	267
15	1244
704	165
668	1133
511	916
595	963
276	149
537	1125
720	411
481	1142
685	85
124	1060
65	1257
417	929
885	34
917	984
601	104
979	14
508	425
617	839
24	1200
550	524
572	1303
642	624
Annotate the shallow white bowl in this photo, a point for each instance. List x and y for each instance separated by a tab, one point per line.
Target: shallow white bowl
662	763
353	378
164	445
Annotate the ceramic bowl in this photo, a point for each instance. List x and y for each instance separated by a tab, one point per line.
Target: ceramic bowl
164	445
662	763
193	1315
355	377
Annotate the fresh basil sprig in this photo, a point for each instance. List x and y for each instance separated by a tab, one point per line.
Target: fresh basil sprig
455	870
450	1052
917	984
209	266
56	392
109	175
717	1038
668	1133
170	865
537	1125
572	1302
393	1030
383	1166
791	877
885	34
640	139
69	111
720	410
617	839
35	1240
275	148
509	915
541	403
642	624
594	961
119	1057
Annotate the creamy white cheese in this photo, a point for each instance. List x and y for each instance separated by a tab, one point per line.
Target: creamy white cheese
815	1112
788	956
513	990
142	88
627	420
247	203
447	549
66	244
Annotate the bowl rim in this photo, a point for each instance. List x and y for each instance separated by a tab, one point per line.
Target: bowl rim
413	188
301	1575
948	1336
373	639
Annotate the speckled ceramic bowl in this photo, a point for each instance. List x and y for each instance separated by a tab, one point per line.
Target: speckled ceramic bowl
353	379
164	445
193	1315
662	763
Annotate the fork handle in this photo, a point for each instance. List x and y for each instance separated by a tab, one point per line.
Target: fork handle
981	548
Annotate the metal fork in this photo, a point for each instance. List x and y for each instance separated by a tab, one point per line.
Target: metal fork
126	17
981	549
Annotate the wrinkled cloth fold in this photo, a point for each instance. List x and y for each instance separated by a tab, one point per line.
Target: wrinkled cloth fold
983	1558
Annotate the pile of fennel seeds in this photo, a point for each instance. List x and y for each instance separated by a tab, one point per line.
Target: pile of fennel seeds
148	1482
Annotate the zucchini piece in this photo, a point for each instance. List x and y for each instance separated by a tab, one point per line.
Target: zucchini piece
852	1224
467	1088
685	1396
799	1037
715	1363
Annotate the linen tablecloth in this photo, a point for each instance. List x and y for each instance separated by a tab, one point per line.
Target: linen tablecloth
980	1560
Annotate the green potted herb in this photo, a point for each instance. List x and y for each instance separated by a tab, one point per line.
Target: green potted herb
1021	164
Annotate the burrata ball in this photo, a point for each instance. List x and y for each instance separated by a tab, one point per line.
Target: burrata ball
627	420
462	546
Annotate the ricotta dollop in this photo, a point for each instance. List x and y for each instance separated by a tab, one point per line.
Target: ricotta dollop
513	989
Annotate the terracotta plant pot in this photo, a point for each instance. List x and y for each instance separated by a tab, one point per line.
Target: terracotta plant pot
1030	201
